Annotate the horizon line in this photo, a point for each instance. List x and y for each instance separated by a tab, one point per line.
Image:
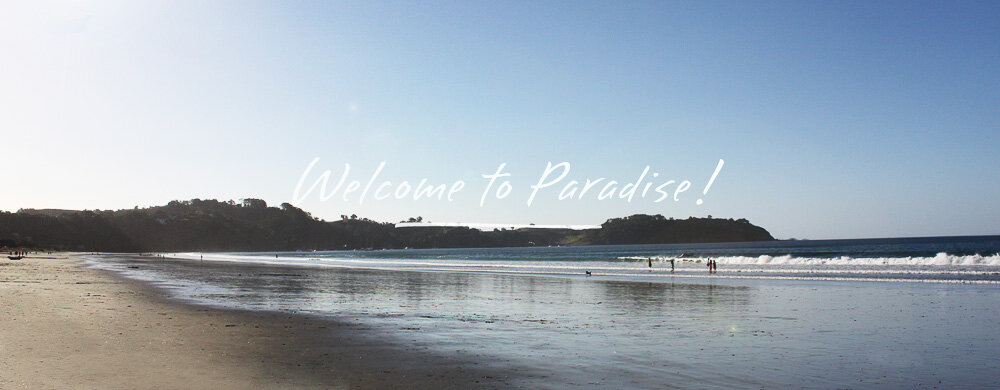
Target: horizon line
487	226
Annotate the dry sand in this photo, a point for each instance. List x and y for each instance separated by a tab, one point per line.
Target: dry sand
65	326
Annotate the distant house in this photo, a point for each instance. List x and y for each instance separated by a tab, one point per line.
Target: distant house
254	203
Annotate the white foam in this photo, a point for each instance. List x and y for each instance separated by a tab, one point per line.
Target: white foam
941	259
940	268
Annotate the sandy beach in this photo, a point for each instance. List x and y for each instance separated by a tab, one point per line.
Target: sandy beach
116	321
65	326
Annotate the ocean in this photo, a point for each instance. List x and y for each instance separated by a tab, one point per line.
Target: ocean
902	312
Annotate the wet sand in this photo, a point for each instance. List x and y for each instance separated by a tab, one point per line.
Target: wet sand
597	332
65	326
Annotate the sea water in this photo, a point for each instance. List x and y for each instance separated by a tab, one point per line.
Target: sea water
828	314
935	259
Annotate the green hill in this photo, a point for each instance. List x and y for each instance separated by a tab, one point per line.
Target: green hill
250	225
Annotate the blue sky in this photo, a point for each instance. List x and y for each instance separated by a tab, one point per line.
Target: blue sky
836	119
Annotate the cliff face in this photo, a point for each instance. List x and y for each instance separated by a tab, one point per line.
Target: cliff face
210	225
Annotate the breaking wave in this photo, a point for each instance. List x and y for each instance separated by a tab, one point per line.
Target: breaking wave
941	259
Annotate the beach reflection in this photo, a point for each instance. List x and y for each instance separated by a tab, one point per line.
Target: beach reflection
590	331
550	322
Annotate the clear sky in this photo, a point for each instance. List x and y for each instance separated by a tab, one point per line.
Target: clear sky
835	119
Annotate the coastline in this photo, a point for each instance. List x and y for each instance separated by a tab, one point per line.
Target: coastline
63	325
231	324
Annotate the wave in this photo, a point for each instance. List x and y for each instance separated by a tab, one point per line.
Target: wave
943	267
941	259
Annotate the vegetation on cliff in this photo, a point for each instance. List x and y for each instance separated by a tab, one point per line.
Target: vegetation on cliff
250	225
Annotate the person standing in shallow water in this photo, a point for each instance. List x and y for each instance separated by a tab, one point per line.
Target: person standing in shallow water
649	260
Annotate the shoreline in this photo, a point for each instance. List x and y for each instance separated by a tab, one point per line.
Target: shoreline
64	325
231	325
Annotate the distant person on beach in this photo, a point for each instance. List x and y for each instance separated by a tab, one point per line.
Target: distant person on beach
649	260
671	265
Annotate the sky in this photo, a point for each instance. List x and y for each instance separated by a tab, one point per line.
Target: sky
834	119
